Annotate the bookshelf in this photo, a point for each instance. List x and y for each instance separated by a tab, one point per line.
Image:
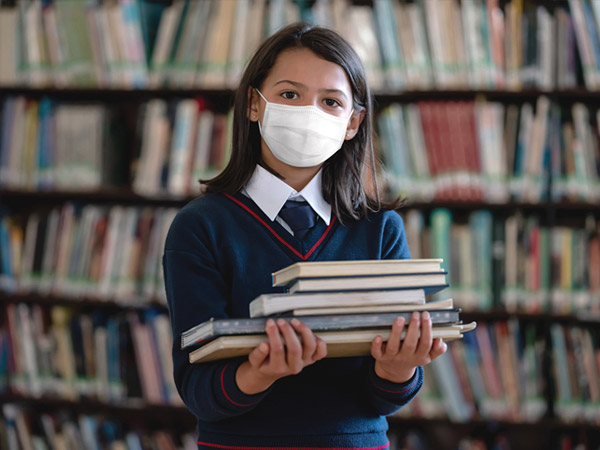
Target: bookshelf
121	93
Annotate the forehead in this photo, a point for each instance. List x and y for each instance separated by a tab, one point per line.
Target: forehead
306	67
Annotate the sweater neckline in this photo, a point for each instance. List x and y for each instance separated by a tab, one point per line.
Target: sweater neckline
316	236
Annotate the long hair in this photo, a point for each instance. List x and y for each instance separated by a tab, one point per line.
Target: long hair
351	191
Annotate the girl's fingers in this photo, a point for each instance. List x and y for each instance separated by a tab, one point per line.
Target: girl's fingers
392	345
425	340
438	348
259	355
309	340
377	347
321	351
409	345
277	353
293	347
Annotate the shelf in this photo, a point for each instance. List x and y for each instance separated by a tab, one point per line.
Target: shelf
224	97
548	318
116	95
126	196
79	302
510	206
131	410
535	427
136	410
105	195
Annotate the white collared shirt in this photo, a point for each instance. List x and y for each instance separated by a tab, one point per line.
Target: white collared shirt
270	194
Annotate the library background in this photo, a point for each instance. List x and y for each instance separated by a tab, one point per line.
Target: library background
487	118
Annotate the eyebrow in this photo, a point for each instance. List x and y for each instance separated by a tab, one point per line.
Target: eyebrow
303	86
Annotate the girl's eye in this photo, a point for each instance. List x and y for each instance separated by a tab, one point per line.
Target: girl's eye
289	95
332	102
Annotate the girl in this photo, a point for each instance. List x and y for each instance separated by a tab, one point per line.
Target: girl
301	137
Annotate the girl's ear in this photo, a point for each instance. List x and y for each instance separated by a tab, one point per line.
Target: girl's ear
354	123
252	105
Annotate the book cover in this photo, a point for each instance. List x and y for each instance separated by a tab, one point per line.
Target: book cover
267	304
339	343
437	304
323	269
215	328
429	282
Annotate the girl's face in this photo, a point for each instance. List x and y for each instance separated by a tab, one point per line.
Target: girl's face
299	78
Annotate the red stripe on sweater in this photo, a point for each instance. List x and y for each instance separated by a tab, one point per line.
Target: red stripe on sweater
402	391
241	447
225	392
279	238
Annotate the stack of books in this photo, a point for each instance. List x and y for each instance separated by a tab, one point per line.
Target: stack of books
345	303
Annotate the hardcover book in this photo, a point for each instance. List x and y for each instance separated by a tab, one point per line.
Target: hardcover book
215	328
339	343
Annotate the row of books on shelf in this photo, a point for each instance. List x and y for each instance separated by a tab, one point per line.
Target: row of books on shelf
498	372
488	151
65	353
23	427
444	150
517	262
49	145
182	142
86	252
494	372
113	253
404	45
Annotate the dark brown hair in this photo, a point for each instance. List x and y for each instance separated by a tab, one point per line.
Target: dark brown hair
344	185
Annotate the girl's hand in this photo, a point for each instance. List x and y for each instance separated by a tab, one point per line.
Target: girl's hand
397	359
285	354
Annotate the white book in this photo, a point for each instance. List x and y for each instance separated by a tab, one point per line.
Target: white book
125	285
237	56
36	74
437	304
339	343
204	138
255	27
267	304
110	48
213	69
125	73
360	33
111	245
8	53
98	44
191	44
154	148
321	269
182	146
27	346
66	229
165	37
422	51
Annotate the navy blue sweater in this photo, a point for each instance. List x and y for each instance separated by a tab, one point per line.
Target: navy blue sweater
219	255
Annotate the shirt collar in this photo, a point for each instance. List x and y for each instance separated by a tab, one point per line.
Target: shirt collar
270	193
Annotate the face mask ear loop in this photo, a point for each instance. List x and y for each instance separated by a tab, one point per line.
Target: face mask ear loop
263	97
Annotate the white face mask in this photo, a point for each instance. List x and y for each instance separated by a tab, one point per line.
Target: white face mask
301	136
